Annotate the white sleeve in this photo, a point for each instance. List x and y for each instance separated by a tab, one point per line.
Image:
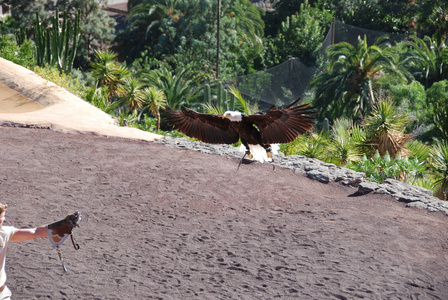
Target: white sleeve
9	232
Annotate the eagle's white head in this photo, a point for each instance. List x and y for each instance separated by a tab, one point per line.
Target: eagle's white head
234	116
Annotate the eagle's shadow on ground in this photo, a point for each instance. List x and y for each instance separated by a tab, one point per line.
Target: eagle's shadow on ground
245	161
356	194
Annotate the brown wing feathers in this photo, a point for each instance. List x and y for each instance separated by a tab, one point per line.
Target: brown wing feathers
207	128
284	125
276	126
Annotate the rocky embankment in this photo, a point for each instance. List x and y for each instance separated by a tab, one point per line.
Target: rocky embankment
325	172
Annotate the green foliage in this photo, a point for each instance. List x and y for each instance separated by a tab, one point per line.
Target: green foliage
426	59
385	117
207	94
99	97
344	144
57	45
438	104
382	15
378	168
300	35
432	17
8	25
22	55
217	98
347	140
439	164
210	108
418	150
108	72
181	86
147	124
441	119
311	145
182	30
65	80
242	105
325	127
131	93
348	86
352	146
24	11
411	99
153	100
97	27
385	129
126	118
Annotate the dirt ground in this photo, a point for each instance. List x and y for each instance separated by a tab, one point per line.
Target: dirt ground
164	223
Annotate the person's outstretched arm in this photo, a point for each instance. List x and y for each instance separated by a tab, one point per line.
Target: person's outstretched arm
28	234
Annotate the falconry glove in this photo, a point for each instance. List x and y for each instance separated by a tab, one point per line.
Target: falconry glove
59	231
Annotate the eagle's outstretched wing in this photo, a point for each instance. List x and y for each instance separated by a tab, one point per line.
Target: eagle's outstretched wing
283	125
207	128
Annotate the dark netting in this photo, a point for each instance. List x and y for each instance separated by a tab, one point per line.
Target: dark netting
340	32
279	85
288	81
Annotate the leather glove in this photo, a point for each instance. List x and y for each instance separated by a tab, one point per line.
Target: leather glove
60	230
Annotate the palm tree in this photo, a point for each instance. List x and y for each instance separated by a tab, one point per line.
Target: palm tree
108	72
131	93
154	99
347	140
249	23
426	59
439	163
150	13
181	86
347	87
385	130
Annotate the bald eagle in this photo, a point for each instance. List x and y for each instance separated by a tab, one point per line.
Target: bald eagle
277	126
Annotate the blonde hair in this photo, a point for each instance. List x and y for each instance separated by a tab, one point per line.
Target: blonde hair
3	207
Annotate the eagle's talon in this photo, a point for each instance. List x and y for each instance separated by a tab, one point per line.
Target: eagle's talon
250	155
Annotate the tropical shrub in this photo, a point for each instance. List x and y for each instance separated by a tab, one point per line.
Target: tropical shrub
426	59
439	166
378	168
385	129
65	80
347	142
437	108
99	97
20	54
311	144
182	86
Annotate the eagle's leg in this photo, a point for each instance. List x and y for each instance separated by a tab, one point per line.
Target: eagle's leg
268	149
241	161
248	153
